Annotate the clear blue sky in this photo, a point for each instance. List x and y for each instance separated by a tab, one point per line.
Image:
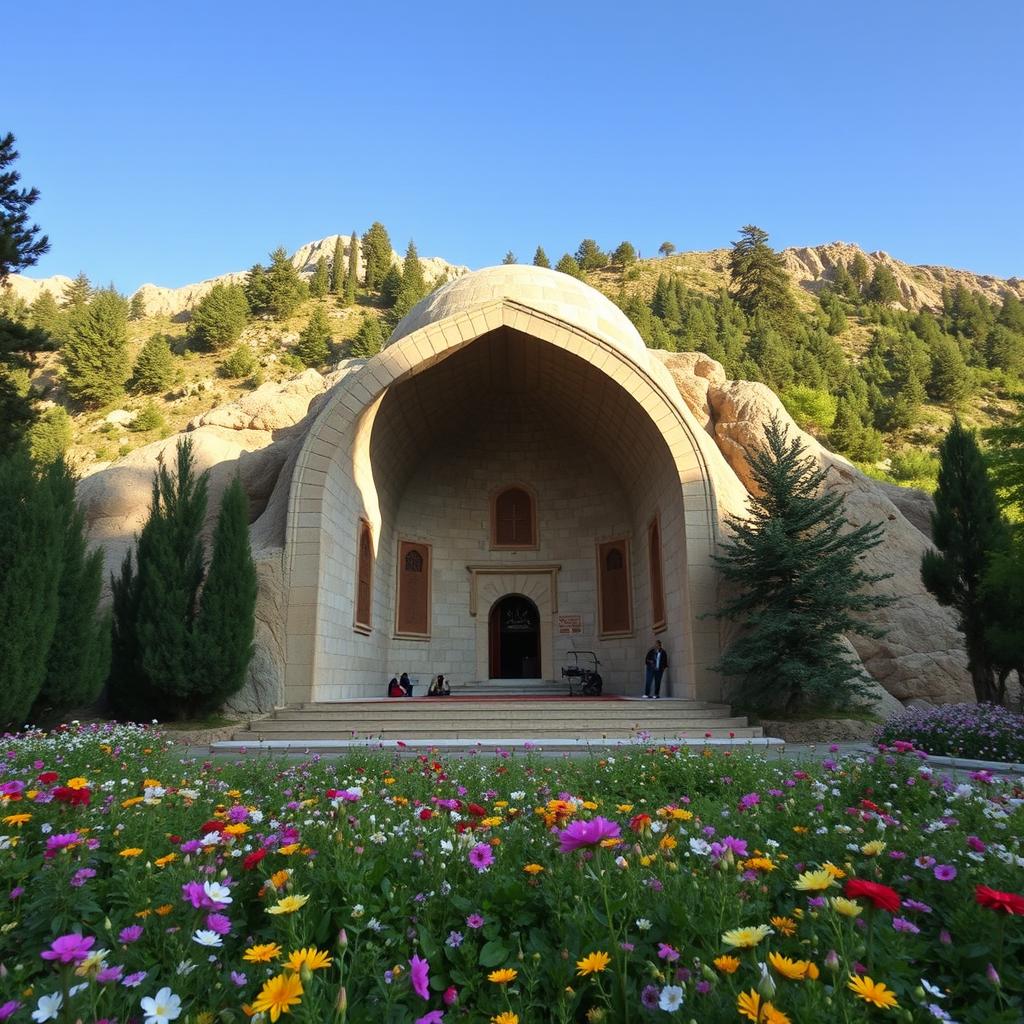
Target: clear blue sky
173	142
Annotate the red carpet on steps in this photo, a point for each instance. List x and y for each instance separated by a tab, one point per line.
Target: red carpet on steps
513	696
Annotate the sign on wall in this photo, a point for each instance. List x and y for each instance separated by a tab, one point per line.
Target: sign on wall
570	625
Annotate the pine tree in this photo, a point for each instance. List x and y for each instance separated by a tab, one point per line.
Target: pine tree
859	271
225	624
314	343
30	563
842	283
352	276
369	339
376	256
50	436
154	368
666	249
79	655
589	256
567	265
509	258
21	245
1002	592
795	566
338	267
883	287
220	316
624	255
414	287
540	258
968	530
95	355
46	316
137	308
390	287
285	288
257	290
759	279
950	378
319	285
1005	458
78	293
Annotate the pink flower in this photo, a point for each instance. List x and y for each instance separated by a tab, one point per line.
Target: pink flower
667	952
130	934
945	872
218	923
481	856
433	1017
69	949
419	972
474	921
8	1008
587	833
976	844
451	995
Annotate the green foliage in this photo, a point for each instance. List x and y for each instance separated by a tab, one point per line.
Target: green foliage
590	257
137	307
950	378
795	566
369	339
240	362
50	436
666	248
46	316
859	270
914	465
624	255
509	258
321	280
95	355
568	265
759	280
1002	592
851	436
30	567
225	624
376	256
391	286
1005	457
968	530
314	346
338	267
883	287
811	408
220	316
149	418
78	293
154	368
285	288
257	290
352	276
21	245
540	258
414	287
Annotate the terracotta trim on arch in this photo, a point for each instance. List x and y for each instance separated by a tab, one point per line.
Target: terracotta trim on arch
499	545
362	606
413	623
656	573
614	610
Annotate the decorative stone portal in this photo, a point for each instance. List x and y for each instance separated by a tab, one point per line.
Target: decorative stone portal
514	639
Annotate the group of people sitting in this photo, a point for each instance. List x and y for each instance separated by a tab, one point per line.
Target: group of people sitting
402	687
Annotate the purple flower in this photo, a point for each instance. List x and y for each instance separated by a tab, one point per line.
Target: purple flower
649	997
81	876
481	856
921	908
109	974
587	833
667	952
419	973
218	923
901	924
130	934
60	842
431	1017
17	892
69	949
13	788
238	978
945	872
474	921
748	801
454	940
192	892
703	987
134	980
8	1008
191	846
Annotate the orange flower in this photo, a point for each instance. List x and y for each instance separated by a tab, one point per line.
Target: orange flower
727	964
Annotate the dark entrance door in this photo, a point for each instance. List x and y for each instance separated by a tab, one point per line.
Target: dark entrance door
515	639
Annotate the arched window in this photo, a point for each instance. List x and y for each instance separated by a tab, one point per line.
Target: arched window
614	604
364	577
657	581
513	519
412	606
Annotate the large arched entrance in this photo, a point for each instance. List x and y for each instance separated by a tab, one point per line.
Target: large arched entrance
514	639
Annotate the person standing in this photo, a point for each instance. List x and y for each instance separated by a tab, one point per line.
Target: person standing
656	663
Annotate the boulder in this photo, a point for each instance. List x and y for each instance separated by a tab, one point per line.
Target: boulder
121	417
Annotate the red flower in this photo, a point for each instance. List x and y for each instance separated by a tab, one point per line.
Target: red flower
426	814
211	826
993	899
74	797
640	822
476	810
48	778
881	896
252	859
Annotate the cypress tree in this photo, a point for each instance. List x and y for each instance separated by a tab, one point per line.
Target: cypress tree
225	623
794	565
314	342
352	277
540	258
220	316
31	548
154	367
376	255
79	656
321	281
96	364
414	287
338	267
369	339
128	693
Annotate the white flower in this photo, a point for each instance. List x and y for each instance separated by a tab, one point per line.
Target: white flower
374	925
701	847
48	1007
643	924
671	998
519	794
206	937
358	910
932	990
446	846
163	1007
217	892
186	967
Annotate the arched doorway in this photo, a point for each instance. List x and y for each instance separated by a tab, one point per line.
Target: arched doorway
514	632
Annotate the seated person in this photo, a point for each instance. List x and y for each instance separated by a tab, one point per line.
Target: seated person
405	684
395	688
439	687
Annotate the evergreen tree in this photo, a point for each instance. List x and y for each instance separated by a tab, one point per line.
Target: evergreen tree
79	655
154	368
843	283
968	531
369	339
1005	457
1004	350
352	276
1011	314
314	346
220	316
96	363
30	563
225	623
50	436
376	256
509	258
624	255
540	258
883	287
859	270
950	378
590	257
321	280
759	279
78	293
137	308
338	267
257	290
391	286
1002	593
414	287
21	245
567	265
46	316
285	288
795	565
239	362
666	249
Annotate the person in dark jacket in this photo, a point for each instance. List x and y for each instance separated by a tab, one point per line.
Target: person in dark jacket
656	662
405	684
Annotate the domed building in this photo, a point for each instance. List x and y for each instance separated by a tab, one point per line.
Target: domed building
515	476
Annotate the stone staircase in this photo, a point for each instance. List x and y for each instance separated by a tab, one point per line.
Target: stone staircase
540	717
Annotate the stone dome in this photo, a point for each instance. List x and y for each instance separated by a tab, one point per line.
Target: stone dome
546	291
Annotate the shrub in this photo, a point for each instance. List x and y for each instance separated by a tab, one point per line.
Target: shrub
239	363
149	418
810	407
50	436
154	367
984	731
916	466
220	316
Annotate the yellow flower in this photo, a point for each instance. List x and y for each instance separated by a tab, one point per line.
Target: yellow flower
150	783
288	850
490	822
848	908
505	1017
873	992
163	910
794	970
667	842
263	953
279	878
533	869
130	851
748	1004
589	805
648	859
503	976
311	957
131	802
746	938
288	905
800	829
237	829
77	782
593	963
814	881
759	864
165	860
786	925
833	870
873	849
623	808
233	793
774	1016
501	803
279	995
727	964
17	819
681	814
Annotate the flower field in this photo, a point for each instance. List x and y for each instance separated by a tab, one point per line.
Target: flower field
987	732
651	884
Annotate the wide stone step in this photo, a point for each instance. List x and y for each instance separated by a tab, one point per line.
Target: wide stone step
282	730
518	724
577	705
503	715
